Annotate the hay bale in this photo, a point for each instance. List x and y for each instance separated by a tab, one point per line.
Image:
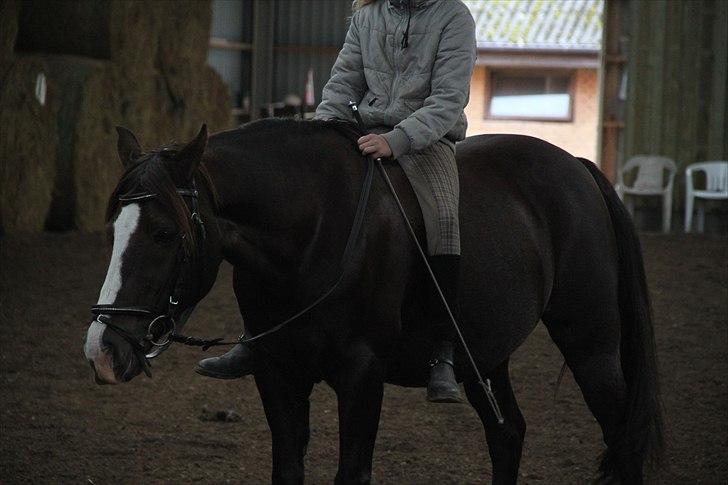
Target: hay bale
172	104
96	165
159	107
155	81
8	28
134	34
28	145
87	165
212	101
184	34
143	36
189	96
166	88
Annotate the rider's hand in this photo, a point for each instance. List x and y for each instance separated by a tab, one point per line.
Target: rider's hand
374	145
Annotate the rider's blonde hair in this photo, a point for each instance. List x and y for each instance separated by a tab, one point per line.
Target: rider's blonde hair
360	3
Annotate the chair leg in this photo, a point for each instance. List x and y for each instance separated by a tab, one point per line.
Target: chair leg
666	213
701	216
689	200
629	202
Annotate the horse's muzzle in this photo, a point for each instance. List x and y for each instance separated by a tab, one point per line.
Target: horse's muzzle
104	369
110	360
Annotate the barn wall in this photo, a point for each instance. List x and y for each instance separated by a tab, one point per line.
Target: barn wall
147	72
308	34
676	97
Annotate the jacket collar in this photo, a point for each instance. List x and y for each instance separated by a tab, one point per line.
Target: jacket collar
402	4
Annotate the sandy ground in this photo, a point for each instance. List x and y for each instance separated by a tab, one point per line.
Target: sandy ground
57	426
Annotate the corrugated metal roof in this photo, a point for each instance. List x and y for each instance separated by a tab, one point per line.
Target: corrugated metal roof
566	25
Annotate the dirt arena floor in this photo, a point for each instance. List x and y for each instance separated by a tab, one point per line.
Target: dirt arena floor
57	426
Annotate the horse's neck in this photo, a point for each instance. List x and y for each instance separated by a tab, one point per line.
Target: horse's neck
284	219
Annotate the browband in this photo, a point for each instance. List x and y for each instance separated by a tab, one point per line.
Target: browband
128	198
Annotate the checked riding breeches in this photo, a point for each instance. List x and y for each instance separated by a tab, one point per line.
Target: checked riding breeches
433	174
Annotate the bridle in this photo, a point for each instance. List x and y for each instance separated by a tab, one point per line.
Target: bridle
162	326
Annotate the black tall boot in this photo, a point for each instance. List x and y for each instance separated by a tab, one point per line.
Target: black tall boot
236	362
442	386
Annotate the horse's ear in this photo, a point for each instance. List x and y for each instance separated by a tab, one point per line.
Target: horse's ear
127	146
190	156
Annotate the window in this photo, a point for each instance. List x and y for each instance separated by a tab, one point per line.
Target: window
529	95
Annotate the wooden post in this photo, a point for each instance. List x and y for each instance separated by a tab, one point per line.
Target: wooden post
717	138
611	120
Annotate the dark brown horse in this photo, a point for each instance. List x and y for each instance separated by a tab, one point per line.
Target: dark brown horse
544	238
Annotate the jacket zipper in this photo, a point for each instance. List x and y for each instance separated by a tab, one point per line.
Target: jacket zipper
395	82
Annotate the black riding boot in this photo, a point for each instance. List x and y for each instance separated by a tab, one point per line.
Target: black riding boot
442	386
236	362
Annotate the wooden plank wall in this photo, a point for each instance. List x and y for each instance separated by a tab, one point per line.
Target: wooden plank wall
676	99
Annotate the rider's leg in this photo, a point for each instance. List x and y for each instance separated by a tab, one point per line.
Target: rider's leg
442	386
235	363
434	177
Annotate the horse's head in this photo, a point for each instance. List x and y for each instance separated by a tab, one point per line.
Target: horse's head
164	259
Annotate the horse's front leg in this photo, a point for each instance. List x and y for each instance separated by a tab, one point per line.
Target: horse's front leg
359	385
286	405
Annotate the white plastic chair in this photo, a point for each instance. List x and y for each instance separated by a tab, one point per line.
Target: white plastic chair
650	181
716	187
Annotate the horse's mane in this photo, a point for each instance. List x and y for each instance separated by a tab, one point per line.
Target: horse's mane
150	173
347	129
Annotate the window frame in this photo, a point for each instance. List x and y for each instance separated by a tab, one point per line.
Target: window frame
525	72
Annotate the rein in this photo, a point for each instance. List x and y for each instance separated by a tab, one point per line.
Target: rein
162	330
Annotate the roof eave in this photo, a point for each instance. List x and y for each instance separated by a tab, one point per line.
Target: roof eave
580	51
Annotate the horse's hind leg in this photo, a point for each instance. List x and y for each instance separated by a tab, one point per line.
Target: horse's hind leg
590	344
505	441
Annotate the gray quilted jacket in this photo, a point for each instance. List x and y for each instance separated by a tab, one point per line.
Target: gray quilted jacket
408	66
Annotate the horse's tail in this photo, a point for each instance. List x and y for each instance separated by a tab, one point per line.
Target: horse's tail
643	439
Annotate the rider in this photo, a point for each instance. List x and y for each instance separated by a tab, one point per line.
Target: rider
407	63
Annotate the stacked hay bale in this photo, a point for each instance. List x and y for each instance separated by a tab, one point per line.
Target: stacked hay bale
166	88
8	28
28	145
86	163
155	82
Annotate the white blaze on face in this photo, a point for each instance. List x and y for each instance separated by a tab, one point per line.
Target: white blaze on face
124	227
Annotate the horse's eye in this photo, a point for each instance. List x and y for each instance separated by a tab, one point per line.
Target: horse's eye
164	237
